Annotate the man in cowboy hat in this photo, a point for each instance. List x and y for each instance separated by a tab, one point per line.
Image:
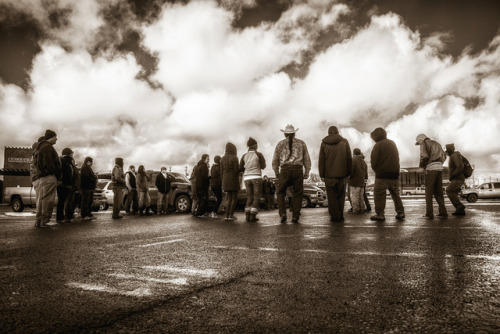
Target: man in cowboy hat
291	164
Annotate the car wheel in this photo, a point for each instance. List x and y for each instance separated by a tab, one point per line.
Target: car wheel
183	204
408	193
305	202
103	206
472	198
17	205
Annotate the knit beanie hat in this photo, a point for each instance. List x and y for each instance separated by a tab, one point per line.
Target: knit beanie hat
332	130
356	151
119	162
217	159
49	134
251	142
67	151
450	148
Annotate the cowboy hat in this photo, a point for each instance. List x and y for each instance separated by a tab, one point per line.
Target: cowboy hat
290	129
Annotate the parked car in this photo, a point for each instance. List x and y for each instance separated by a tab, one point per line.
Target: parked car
312	196
414	191
485	190
20	197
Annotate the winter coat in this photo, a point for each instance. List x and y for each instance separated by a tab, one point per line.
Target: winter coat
117	177
432	155
201	175
359	172
163	183
335	159
251	164
456	166
142	182
47	161
384	156
229	169
215	176
67	171
88	179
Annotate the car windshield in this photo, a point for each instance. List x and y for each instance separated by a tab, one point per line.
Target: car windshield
102	184
178	177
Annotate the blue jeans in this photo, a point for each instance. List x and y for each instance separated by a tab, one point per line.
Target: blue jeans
254	189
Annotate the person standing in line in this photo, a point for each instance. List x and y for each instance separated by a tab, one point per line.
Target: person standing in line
357	181
202	185
216	184
118	183
162	182
65	188
385	164
291	165
194	197
35	174
432	157
335	165
88	184
457	179
229	169
365	196
265	191
251	164
47	172
143	190
132	197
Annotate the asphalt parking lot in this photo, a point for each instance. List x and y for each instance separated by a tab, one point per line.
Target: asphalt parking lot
176	273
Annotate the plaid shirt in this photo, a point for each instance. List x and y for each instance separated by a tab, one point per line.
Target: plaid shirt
299	155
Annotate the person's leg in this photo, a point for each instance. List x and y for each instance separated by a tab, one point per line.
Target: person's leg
341	197
61	200
356	199
68	205
159	202
439	196
49	190
367	201
117	201
257	188
379	190
331	195
396	198
147	201
249	190
430	180
283	180
38	205
298	191
234	202
129	201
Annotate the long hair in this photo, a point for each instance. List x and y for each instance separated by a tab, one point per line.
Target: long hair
142	172
290	137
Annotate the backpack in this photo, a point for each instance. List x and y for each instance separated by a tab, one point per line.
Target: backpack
468	170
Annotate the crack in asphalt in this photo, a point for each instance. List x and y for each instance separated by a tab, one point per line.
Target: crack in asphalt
151	306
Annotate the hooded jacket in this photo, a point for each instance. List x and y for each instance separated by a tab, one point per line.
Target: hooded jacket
201	175
335	159
47	161
229	169
88	178
359	172
215	175
67	171
384	156
456	164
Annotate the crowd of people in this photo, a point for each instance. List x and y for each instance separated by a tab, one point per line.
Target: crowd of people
339	168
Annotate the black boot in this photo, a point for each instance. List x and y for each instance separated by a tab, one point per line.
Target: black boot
247	214
253	218
141	211
147	212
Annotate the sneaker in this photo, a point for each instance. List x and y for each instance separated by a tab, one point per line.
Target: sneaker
368	210
441	216
459	213
295	220
50	224
400	216
117	217
377	218
214	215
283	219
427	217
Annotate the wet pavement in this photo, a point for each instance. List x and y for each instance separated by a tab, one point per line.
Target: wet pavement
176	273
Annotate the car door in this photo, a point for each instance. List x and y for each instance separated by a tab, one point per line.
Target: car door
496	189
486	191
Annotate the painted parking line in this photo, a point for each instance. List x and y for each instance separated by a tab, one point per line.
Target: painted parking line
184	271
139	292
415	227
402	254
171	281
162	243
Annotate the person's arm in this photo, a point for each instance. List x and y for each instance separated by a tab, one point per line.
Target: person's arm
424	155
321	162
242	163
262	160
276	161
349	158
307	161
127	181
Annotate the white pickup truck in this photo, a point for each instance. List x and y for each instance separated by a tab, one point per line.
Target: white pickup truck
19	197
485	190
414	191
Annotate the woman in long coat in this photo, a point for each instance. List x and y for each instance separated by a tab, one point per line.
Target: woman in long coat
229	168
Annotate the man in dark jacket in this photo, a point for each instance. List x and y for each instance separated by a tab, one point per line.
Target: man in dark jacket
457	179
335	164
216	184
162	182
385	164
202	185
118	183
88	185
47	172
66	188
132	196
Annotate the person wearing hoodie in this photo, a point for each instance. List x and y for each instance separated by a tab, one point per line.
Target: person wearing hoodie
457	179
202	184
46	174
432	157
229	170
335	165
143	191
88	184
118	184
66	188
252	163
357	181
291	165
385	164
216	184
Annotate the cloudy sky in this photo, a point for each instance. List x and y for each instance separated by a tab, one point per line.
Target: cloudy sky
161	82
